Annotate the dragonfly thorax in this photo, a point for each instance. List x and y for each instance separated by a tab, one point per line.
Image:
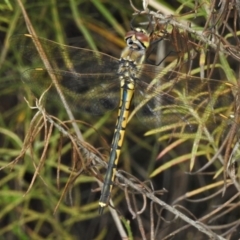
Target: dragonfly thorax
133	55
129	70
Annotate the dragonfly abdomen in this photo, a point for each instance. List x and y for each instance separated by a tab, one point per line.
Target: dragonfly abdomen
127	91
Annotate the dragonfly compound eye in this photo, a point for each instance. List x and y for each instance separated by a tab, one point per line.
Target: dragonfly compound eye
137	39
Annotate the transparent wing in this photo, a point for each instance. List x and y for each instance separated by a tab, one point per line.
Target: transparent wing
87	79
91	93
176	99
63	57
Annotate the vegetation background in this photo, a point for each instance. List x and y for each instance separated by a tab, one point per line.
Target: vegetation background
39	210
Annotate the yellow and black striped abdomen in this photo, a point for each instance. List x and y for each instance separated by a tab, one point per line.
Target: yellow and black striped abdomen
127	91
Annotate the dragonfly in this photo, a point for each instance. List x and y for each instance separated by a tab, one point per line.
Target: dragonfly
96	82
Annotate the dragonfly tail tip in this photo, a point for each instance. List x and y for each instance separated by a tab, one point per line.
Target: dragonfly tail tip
100	210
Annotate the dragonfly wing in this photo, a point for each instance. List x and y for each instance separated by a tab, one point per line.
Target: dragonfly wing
87	79
63	57
156	108
95	94
182	100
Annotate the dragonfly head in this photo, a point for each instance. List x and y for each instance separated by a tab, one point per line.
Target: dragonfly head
137	39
